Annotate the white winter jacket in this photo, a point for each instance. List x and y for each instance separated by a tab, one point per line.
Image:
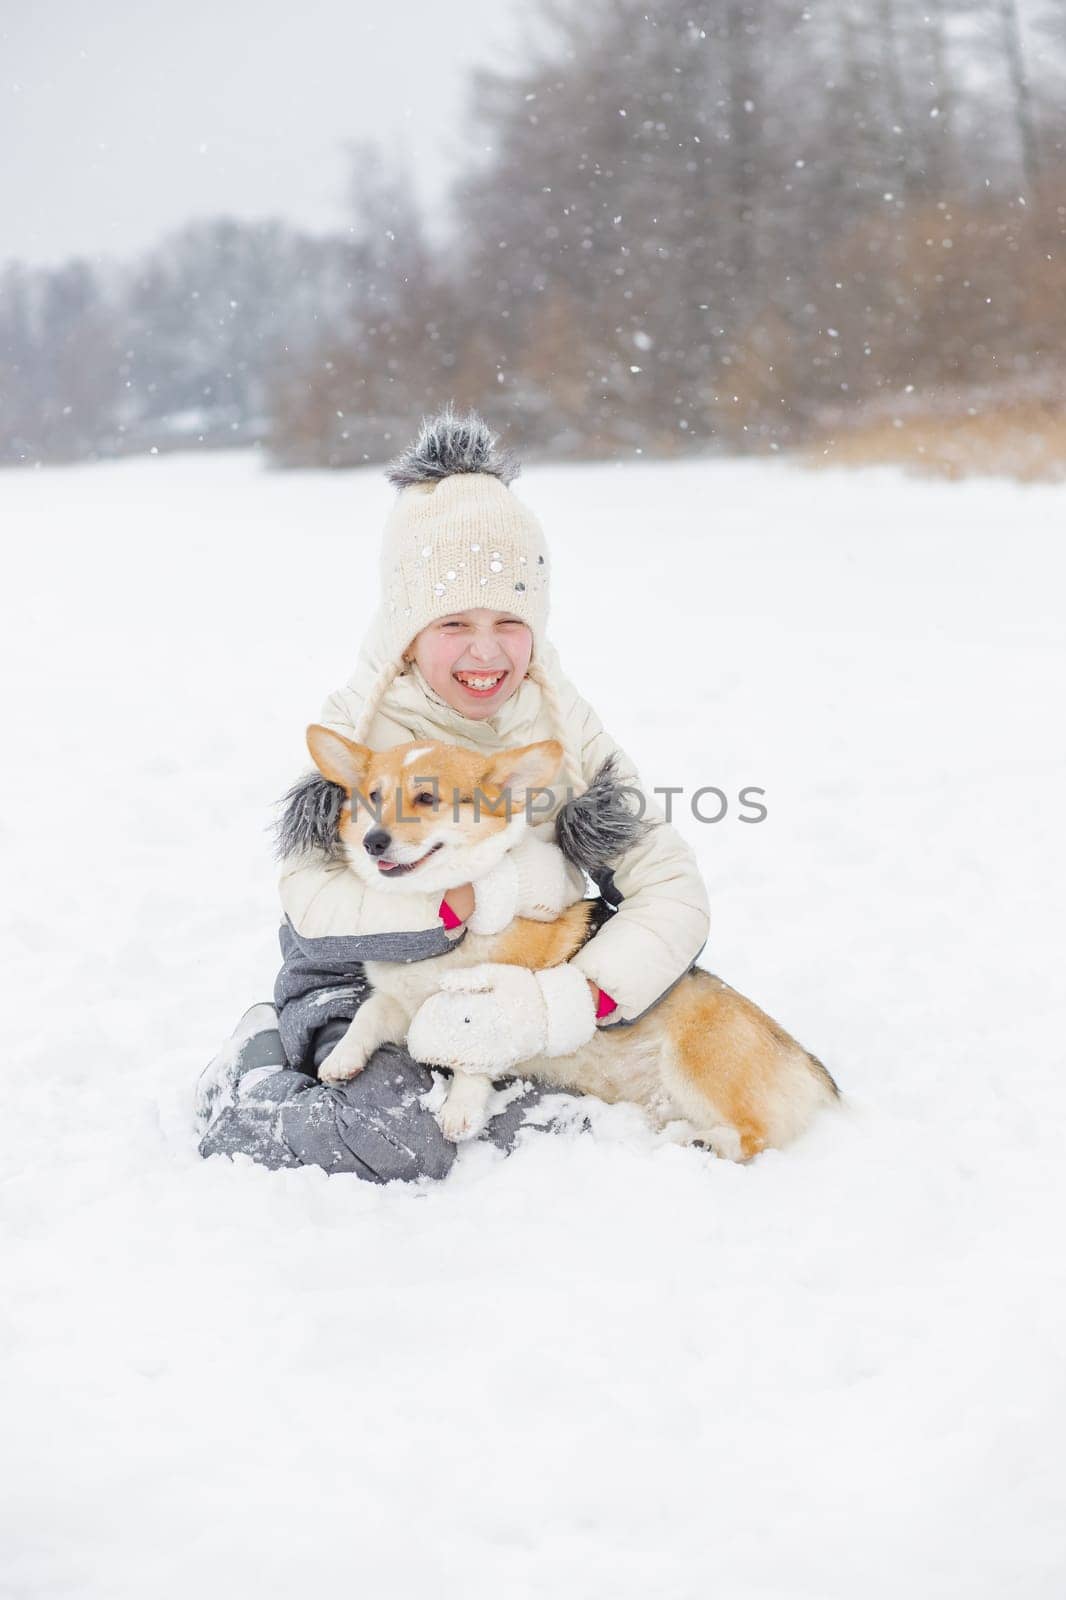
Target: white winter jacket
639	953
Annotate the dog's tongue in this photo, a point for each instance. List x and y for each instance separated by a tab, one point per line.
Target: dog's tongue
386	866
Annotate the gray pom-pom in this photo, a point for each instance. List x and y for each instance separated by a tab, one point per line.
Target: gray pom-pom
448	444
311	818
600	825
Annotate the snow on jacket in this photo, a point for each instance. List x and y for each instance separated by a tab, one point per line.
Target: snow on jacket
661	923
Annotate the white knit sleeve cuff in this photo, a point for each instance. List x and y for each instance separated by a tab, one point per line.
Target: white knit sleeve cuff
570	1011
495	899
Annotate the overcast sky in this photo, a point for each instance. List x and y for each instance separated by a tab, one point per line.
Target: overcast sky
122	118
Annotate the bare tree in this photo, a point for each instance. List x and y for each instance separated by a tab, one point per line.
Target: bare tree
704	224
1021	92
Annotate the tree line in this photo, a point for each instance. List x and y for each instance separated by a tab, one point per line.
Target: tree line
734	225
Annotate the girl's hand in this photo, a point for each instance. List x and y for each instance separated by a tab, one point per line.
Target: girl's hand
533	880
491	1017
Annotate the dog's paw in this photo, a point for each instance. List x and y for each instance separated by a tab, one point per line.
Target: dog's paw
341	1065
460	1122
465	1111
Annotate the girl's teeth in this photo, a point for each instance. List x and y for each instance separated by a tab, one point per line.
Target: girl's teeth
480	683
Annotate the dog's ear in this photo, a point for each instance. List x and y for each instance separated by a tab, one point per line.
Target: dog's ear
530	766
336	757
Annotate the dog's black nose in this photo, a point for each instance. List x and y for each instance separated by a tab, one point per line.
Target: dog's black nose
376	842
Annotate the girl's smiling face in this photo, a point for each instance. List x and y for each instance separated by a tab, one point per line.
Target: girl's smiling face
474	660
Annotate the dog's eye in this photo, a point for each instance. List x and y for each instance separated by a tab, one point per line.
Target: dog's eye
374	797
424	798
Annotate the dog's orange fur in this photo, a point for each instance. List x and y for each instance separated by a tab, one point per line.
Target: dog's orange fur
543	944
461	777
731	1051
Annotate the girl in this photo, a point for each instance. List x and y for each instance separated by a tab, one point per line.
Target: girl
458	652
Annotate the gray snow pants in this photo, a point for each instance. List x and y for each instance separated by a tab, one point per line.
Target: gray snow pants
251	1102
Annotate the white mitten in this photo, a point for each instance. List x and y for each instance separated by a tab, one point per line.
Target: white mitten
495	898
533	880
547	882
491	1017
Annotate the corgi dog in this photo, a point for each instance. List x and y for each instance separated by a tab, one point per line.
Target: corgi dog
704	1062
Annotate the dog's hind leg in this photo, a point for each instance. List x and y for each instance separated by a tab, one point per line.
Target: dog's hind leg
736	1074
721	1139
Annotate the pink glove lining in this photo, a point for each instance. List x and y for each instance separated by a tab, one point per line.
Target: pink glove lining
605	1005
448	916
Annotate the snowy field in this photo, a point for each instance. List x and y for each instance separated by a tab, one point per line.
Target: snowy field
600	1368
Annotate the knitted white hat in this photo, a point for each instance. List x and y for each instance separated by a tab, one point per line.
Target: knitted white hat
459	538
456	539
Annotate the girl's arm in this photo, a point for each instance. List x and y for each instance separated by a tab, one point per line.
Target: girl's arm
663	918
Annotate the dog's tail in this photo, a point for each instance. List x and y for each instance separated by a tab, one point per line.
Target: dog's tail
824	1076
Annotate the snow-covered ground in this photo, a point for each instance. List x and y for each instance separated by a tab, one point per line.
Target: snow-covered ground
601	1367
